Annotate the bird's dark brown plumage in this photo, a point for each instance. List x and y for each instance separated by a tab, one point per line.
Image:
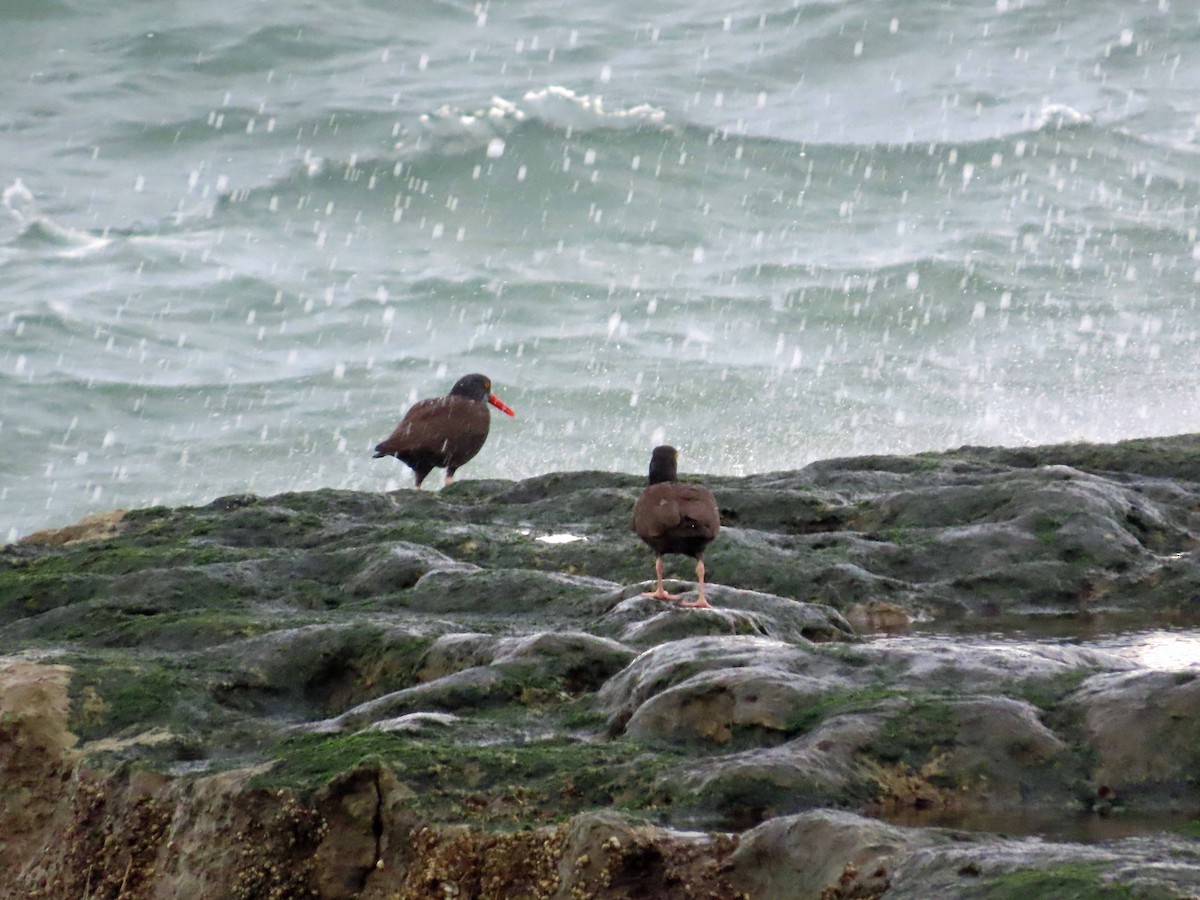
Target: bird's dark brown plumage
673	517
444	432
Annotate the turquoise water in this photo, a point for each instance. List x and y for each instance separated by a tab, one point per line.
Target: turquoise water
237	240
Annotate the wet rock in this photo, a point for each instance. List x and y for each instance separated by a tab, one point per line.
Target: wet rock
998	742
584	660
470	671
877	616
499	592
466	690
144	834
606	854
744	705
819	768
981	866
424	677
351	805
398	568
830	854
1145	728
948	664
581	661
317	670
644	621
452	653
414	722
673	663
37	756
793	857
895	754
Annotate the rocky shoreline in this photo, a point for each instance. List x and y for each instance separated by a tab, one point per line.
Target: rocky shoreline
345	694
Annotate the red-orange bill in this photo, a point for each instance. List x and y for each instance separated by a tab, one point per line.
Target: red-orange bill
499	404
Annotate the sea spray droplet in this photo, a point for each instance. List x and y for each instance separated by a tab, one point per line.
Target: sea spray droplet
495	148
912	281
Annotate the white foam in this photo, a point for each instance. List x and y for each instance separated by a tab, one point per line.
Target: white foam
1061	116
559	538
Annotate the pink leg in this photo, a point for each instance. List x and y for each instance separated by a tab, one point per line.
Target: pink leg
449	479
701	602
660	593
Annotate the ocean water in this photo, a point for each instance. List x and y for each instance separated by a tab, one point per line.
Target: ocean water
238	239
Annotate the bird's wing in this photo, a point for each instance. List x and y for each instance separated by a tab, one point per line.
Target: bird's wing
656	511
423	427
699	505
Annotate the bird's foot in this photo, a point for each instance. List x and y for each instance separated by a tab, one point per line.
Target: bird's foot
696	604
661	594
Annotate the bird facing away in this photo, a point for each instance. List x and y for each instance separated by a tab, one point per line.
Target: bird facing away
445	431
675	518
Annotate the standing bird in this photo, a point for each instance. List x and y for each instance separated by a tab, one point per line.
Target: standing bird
675	518
444	431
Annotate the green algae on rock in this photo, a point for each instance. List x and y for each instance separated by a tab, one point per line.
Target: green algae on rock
398	682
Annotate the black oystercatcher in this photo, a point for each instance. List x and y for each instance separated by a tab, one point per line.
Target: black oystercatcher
675	518
444	431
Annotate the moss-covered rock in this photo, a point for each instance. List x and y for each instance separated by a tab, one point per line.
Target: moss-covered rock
398	683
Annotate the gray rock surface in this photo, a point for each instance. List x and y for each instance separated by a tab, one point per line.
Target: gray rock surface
415	694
